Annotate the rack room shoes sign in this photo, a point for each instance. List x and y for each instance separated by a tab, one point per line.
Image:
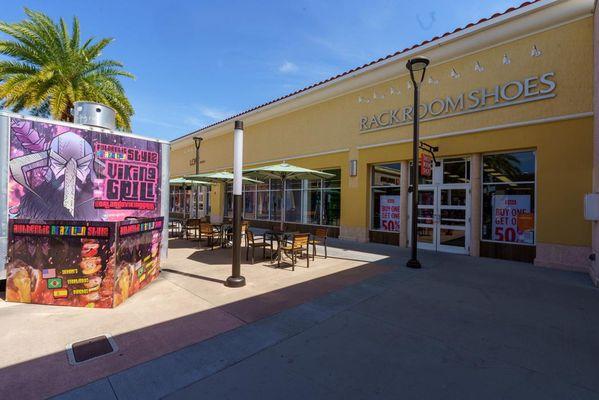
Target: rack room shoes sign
529	89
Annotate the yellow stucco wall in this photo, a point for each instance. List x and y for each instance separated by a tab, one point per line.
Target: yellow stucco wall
564	148
564	159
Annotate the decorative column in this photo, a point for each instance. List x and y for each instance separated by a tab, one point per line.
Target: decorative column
475	204
404	184
236	280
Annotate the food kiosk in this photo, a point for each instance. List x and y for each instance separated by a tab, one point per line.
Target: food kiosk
85	212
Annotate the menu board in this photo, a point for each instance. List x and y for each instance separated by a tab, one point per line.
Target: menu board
60	264
85	265
137	258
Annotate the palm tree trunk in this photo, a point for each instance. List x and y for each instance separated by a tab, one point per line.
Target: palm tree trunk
67	115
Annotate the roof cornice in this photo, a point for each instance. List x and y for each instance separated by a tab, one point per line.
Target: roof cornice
515	23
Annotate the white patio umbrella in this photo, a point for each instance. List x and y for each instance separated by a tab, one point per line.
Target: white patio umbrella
285	172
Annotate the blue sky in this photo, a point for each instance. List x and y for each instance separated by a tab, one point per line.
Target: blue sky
197	62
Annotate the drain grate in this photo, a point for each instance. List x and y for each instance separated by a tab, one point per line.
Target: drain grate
89	349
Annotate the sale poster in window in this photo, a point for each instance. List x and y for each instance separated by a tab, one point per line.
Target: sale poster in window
389	213
507	211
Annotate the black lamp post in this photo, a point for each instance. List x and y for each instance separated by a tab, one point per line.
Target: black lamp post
417	67
197	141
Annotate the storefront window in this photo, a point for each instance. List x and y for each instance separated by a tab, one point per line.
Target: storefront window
315	202
385	195
229	200
456	170
331	207
509	197
262	201
182	200
293	201
276	201
331	198
249	201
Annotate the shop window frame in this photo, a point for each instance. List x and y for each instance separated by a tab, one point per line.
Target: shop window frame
482	184
305	186
371	198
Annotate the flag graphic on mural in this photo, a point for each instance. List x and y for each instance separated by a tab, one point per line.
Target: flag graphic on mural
54	283
49	273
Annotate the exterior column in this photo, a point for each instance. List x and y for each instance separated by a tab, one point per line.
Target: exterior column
218	202
594	264
403	215
475	204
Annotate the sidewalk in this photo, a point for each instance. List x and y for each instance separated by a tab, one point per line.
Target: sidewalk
459	328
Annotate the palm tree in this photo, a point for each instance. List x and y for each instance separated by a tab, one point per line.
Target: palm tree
49	69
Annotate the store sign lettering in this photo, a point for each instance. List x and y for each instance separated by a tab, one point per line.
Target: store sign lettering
510	93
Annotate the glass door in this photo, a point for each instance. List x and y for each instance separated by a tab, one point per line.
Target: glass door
443	218
427	195
453	212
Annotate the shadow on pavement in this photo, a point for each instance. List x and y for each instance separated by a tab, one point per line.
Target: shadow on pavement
204	278
51	375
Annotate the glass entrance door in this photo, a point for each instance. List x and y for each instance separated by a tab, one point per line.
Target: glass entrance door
427	214
453	212
443	217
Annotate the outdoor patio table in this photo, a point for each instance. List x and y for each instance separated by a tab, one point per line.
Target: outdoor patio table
223	227
279	237
175	226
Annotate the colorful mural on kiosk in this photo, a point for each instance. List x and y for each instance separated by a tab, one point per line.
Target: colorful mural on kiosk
58	172
84	207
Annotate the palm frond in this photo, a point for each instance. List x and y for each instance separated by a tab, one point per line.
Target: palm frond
50	69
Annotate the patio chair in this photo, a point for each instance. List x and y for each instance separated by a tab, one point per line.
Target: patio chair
254	242
175	228
299	244
209	232
244	227
320	238
191	225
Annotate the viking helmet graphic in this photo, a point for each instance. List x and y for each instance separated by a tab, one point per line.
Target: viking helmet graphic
69	160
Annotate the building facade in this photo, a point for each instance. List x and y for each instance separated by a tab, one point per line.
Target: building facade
508	102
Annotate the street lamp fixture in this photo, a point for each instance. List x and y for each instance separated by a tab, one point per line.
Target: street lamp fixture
417	67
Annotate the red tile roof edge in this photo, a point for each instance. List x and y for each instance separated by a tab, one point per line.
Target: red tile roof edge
456	30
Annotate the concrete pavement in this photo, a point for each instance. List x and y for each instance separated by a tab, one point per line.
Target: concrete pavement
186	305
461	327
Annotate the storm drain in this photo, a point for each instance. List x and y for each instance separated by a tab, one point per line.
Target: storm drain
90	349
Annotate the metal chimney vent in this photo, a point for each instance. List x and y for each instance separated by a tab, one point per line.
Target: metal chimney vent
94	114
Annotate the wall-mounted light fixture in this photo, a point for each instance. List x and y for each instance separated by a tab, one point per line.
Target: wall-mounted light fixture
353	167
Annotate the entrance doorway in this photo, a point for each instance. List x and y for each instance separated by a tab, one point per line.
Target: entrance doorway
444	208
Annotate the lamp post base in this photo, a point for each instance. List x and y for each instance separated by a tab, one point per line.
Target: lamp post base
235	281
413	263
